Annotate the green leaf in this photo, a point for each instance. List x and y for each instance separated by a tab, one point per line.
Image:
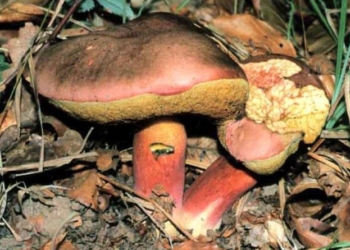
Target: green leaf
3	65
85	6
118	7
339	111
336	246
340	50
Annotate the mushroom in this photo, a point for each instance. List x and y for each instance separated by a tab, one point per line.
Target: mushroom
151	69
288	98
286	104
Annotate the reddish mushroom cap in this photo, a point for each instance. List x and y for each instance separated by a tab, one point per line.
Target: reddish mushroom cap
158	64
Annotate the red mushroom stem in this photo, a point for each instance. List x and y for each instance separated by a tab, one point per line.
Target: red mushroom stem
159	159
211	195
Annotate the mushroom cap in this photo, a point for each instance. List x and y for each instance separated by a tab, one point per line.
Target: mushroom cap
260	149
153	66
286	104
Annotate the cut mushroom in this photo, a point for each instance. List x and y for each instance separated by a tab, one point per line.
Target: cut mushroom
286	104
263	141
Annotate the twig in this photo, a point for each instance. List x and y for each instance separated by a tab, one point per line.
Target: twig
130	190
59	27
152	219
56	163
84	142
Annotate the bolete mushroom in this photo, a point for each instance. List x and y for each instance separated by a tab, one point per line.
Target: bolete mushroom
288	98
286	104
150	69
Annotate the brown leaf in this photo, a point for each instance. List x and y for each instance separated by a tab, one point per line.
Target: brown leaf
59	127
7	119
328	179
83	188
344	223
105	160
258	36
109	189
342	212
17	47
328	82
56	241
67	245
68	144
299	204
306	228
5	35
277	234
189	244
20	10
38	222
321	64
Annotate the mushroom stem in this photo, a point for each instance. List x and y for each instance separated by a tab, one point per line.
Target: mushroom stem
159	159
211	195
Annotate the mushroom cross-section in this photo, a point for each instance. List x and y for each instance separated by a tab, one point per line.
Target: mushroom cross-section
150	69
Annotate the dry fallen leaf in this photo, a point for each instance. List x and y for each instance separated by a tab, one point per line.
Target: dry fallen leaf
299	203
343	215
330	180
105	160
189	244
83	187
7	119
258	36
321	64
68	144
328	82
20	10
341	211
326	68
277	234
17	47
57	241
309	231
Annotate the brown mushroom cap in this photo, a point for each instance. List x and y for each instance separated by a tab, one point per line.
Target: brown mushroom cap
134	72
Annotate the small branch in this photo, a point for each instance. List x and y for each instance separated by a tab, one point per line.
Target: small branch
152	219
156	205
56	163
59	27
